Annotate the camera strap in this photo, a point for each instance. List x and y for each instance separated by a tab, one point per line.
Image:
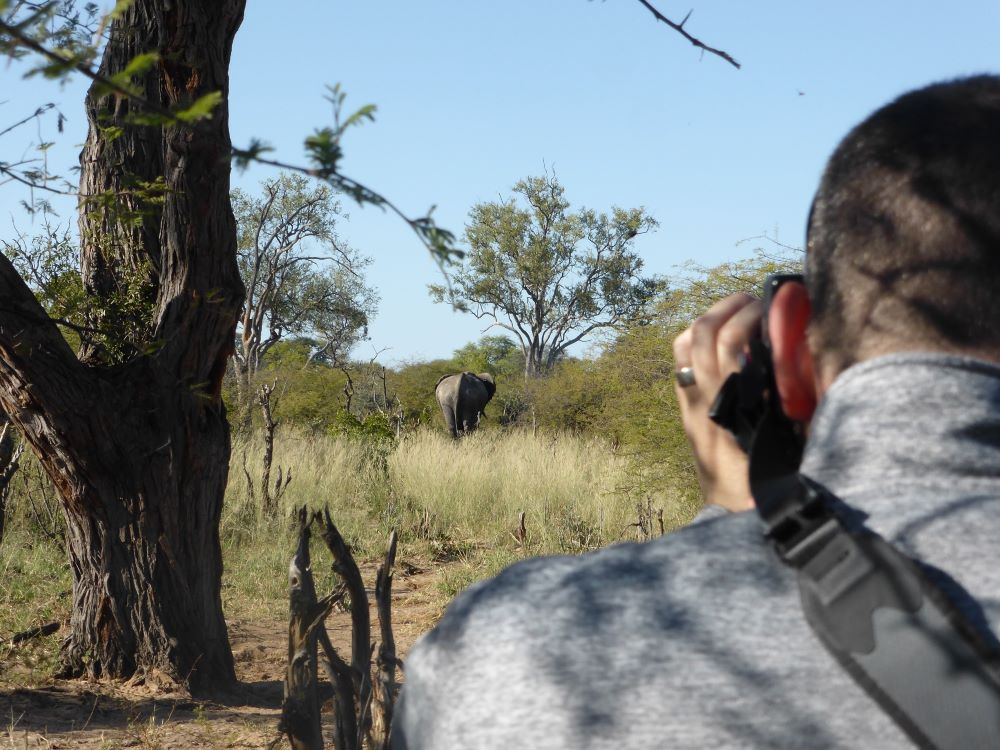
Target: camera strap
898	635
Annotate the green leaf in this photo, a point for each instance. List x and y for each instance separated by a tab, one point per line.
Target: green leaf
243	157
112	133
201	108
137	66
323	148
367	112
148	119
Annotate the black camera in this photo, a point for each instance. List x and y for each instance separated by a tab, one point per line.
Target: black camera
749	407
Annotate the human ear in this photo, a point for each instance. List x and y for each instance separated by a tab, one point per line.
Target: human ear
794	366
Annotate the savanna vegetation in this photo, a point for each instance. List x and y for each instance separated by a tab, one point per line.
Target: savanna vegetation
179	375
590	451
582	452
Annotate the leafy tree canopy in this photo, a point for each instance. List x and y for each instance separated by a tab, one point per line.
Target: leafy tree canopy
497	355
301	278
548	275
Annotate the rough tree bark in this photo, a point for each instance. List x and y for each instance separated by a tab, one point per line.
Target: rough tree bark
264	396
10	456
300	709
119	228
139	451
363	706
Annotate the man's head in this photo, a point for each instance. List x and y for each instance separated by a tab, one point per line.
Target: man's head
904	237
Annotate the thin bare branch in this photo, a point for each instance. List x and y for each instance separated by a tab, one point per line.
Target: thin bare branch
438	241
679	28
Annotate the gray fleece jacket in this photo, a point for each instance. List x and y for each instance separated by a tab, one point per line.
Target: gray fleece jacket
697	639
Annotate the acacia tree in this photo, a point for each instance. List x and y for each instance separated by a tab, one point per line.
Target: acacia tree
136	442
548	275
300	277
707	285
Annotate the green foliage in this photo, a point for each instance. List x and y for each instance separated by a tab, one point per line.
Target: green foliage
121	322
323	146
708	285
570	398
49	263
414	386
122	304
310	396
550	276
372	428
302	281
252	152
123	80
291	354
130	206
70	33
201	108
497	355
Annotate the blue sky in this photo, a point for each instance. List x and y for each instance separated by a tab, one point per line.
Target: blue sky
474	95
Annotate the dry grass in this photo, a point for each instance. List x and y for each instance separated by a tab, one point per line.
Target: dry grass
454	502
34	589
469	492
473	490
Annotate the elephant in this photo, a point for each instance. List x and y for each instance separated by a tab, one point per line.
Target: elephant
463	398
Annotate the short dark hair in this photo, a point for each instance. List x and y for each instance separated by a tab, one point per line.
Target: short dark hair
904	234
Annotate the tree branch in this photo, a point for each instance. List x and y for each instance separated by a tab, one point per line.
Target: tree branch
679	28
40	378
440	242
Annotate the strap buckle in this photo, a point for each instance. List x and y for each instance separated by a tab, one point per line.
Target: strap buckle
803	529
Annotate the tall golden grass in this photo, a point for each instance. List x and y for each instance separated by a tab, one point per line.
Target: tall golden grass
474	489
572	489
451	501
455	501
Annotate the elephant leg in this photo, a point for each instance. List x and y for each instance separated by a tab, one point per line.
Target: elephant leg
449	420
470	420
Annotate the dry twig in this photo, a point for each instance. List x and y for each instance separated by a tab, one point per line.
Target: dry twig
384	688
679	28
300	716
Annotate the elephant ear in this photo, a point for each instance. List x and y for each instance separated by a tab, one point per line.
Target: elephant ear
487	380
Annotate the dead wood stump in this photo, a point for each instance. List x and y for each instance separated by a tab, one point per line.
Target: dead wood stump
364	694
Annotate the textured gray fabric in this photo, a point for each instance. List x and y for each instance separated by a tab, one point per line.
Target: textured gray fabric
697	640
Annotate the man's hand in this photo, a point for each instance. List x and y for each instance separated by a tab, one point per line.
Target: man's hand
712	346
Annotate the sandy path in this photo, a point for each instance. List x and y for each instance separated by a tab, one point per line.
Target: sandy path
152	714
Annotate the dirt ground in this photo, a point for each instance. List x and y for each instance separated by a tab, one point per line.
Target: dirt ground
153	713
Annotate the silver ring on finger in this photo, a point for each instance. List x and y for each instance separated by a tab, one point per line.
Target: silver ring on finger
685	377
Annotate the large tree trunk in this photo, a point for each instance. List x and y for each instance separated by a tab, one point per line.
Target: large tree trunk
120	237
139	451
